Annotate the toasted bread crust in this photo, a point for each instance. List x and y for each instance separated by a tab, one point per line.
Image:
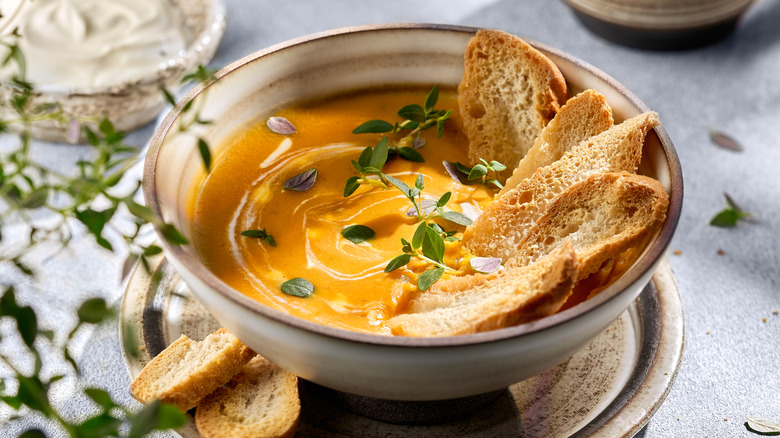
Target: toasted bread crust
582	117
504	223
482	302
508	93
260	401
187	370
602	216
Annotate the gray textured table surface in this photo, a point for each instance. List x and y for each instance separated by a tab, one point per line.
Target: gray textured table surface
731	364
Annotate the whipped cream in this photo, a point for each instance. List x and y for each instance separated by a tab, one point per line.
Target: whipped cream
96	43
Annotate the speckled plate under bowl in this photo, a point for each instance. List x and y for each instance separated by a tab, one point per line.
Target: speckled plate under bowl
385	367
131	104
660	24
610	388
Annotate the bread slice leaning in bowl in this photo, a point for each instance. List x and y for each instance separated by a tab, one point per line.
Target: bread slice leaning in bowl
582	117
602	216
482	302
260	401
508	93
498	231
187	370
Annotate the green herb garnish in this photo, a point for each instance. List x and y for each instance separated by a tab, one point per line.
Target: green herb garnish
477	174
260	234
357	233
416	118
729	216
298	287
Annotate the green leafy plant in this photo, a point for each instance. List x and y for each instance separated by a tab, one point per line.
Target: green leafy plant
32	389
260	234
91	198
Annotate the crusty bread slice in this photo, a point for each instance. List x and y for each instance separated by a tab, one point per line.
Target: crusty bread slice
508	93
582	117
503	224
482	302
602	216
187	370
260	401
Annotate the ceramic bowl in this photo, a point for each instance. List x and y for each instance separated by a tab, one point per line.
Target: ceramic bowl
134	103
395	368
660	24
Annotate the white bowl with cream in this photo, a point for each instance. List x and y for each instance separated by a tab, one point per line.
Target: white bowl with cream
395	368
109	58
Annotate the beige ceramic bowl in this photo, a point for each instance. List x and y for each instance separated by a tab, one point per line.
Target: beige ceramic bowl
394	368
131	104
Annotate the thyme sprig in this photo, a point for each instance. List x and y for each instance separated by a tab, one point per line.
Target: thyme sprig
477	174
415	119
33	387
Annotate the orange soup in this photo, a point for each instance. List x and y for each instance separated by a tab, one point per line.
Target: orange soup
245	191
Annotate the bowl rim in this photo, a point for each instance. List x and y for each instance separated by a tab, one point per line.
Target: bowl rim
212	33
644	265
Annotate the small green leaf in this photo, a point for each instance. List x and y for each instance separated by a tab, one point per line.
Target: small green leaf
498	167
458	218
410	154
13	402
433	245
152	250
419	182
100	397
365	158
427	278
168	96
762	426
477	172
444	199
379	155
357	233
351	186
413	112
400	185
172	235
205	154
93	311
36	199
32	394
99	426
419	235
398	262
373	127
170	417
432	98
260	234
298	287
27	324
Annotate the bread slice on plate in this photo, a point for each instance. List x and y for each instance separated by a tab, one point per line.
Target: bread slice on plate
582	117
498	231
482	302
187	370
260	401
508	93
602	217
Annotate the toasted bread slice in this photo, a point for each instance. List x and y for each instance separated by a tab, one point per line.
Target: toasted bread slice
260	401
582	117
502	226
508	93
602	216
187	370
483	302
